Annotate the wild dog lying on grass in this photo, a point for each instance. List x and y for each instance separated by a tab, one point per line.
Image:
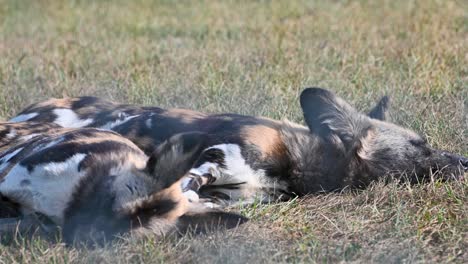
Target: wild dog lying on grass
96	184
251	158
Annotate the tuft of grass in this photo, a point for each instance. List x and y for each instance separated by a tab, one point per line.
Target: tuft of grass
254	57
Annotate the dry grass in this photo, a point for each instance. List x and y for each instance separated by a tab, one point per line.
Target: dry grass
254	57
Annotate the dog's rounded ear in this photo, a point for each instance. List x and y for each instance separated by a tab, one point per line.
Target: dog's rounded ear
331	118
175	157
317	104
380	111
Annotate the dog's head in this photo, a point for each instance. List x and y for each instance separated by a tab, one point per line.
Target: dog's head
368	146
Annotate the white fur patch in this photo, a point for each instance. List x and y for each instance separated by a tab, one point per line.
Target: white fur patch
237	171
7	157
111	125
192	196
207	167
149	122
47	189
24	117
68	118
11	134
211	205
43	146
28	137
185	182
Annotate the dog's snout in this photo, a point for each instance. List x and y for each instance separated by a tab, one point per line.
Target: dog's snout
464	163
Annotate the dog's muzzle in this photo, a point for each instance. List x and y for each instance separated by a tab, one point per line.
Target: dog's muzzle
464	163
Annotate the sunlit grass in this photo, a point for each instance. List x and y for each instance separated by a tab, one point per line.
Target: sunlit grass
254	57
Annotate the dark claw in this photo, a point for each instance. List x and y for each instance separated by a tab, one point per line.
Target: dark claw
209	178
197	181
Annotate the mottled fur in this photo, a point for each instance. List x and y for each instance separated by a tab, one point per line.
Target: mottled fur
15	133
259	158
96	184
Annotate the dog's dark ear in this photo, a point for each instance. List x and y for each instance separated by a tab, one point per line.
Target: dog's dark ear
331	118
209	221
380	111
175	157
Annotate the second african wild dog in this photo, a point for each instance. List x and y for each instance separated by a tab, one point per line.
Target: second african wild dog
96	184
252	158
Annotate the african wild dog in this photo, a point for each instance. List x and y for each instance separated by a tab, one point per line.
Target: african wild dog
96	184
252	158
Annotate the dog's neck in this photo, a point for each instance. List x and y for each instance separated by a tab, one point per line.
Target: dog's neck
312	163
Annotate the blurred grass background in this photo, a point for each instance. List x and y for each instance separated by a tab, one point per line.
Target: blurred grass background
254	57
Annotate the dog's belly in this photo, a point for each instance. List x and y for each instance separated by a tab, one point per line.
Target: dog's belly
234	180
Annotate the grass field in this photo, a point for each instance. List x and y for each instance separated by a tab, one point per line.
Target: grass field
254	57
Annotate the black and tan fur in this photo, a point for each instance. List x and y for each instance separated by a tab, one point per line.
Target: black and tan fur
15	133
259	158
96	184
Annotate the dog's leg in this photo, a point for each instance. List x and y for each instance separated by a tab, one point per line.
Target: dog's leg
194	181
227	178
191	185
218	186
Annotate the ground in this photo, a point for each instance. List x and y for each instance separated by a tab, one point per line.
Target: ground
254	57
